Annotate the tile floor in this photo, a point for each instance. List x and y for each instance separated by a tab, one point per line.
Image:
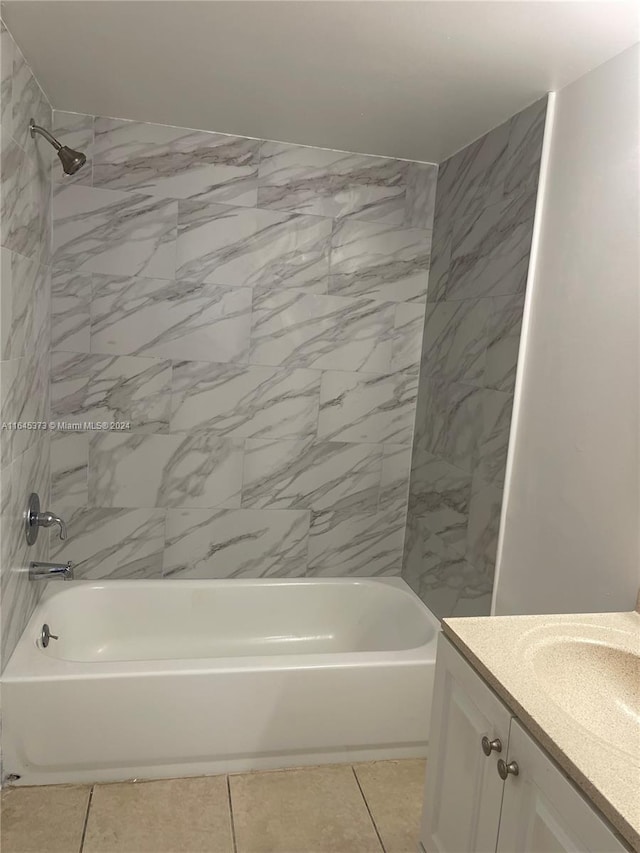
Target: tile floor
364	808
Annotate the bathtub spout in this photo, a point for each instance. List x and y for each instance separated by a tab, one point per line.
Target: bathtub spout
50	571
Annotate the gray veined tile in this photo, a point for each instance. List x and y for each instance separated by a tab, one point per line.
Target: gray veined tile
7	49
440	262
454	341
113	232
311	475
394	477
236	543
408	330
245	400
373	259
435	571
421	195
484	526
331	183
503	341
448	421
170	319
174	162
472	178
111	388
439	494
69	470
112	542
323	332
76	131
28	102
164	471
351	544
524	151
21	194
19	280
490	252
475	598
248	248
367	408
70	311
493	443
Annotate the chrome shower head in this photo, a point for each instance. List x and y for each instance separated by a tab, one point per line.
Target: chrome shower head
71	160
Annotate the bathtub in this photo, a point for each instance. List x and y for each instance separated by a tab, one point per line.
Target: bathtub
163	678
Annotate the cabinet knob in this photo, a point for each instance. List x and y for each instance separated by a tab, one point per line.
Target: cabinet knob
489	746
505	769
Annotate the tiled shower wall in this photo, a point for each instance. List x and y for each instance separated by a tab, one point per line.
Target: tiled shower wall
25	282
483	226
255	310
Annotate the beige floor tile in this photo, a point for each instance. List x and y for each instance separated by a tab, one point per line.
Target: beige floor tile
51	819
313	810
168	816
394	791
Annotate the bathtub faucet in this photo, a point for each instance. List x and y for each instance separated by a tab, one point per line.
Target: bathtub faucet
50	571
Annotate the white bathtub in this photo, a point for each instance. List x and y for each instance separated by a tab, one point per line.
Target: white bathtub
164	678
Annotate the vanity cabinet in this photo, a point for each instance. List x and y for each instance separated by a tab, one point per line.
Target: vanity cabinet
470	807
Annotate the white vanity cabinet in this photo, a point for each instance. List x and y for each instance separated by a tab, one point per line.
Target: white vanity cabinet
469	807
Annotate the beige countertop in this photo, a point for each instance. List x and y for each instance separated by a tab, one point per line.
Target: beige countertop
502	649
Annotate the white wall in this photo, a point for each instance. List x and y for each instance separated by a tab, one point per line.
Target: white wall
570	534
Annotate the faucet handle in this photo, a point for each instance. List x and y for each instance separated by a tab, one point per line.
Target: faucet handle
48	519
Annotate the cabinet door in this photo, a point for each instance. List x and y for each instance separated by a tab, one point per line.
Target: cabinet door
542	812
464	792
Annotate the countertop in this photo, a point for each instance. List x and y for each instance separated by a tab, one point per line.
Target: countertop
496	646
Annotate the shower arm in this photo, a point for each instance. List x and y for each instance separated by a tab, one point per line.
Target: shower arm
35	128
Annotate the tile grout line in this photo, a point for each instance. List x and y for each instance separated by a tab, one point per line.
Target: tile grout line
86	819
233	826
355	776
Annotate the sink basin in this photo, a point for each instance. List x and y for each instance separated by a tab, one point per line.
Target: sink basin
596	682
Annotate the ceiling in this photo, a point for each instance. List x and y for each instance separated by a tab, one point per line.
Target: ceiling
406	79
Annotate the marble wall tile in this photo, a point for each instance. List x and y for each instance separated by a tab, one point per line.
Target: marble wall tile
170	319
311	475
74	130
484	525
236	543
18	294
70	311
493	442
524	151
344	543
20	216
111	388
475	600
448	421
504	327
440	496
7	51
113	232
164	471
421	195
331	183
372	259
490	251
248	248
69	470
323	332
367	408
28	101
472	178
408	330
113	543
174	162
454	342
245	400
436	572
394	477
440	262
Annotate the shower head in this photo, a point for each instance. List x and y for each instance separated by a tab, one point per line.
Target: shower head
71	160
